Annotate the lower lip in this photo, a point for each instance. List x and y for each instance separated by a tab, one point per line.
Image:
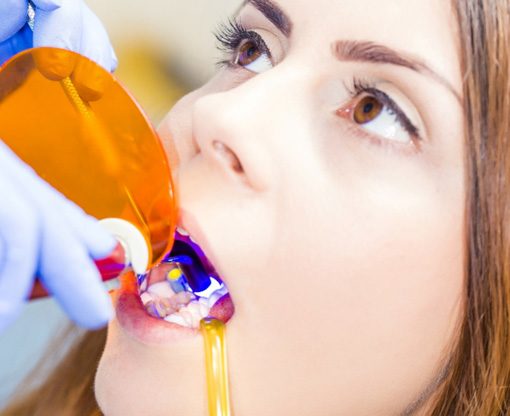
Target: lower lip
136	322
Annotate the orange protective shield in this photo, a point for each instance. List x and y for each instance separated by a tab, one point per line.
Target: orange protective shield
83	133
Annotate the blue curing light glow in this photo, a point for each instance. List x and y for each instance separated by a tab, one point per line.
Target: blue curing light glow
213	287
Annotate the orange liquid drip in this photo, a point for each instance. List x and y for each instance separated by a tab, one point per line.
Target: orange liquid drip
215	348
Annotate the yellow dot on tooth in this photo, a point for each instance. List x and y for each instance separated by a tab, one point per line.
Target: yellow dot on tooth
174	274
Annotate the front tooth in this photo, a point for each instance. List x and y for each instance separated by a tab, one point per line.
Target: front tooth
182	231
155	309
161	289
180	300
204	310
186	315
194	308
146	298
176	319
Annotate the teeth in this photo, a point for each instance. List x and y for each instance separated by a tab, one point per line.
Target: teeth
204	310
161	289
160	307
178	304
194	309
176	319
155	309
146	298
186	315
190	315
182	308
193	313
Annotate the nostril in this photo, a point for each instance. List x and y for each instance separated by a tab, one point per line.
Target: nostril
226	153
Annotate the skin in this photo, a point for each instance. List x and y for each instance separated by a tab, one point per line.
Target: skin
344	257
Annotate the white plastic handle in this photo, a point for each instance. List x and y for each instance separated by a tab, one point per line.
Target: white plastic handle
132	240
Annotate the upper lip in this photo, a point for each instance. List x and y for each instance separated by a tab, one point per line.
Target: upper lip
187	222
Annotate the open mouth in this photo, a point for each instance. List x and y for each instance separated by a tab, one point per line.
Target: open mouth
185	288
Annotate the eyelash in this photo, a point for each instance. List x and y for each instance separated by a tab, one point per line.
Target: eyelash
360	86
230	35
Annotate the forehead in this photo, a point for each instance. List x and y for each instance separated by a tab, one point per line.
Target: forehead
424	28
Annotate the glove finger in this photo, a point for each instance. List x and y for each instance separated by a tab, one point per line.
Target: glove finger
96	42
19	233
48	5
97	241
14	16
54	64
90	80
70	275
60	28
63	262
74	27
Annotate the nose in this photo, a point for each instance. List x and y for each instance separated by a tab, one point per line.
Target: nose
228	156
232	130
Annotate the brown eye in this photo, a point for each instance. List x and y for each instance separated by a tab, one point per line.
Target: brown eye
367	110
248	53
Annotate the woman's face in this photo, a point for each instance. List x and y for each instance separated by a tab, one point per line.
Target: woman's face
322	172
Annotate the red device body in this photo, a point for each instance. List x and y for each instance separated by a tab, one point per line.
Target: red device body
110	268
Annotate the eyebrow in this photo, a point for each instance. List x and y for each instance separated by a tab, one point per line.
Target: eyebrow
274	14
351	50
366	51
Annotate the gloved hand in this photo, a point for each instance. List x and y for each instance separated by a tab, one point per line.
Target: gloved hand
44	234
67	24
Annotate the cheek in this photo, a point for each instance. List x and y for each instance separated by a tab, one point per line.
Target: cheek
385	270
176	131
376	276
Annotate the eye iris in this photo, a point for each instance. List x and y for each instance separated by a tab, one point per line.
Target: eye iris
367	110
248	53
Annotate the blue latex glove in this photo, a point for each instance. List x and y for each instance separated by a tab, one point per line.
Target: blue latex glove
67	24
44	234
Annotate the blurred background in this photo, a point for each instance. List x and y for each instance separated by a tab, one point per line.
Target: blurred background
165	49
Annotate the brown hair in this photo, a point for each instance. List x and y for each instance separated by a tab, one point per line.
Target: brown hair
477	380
69	388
